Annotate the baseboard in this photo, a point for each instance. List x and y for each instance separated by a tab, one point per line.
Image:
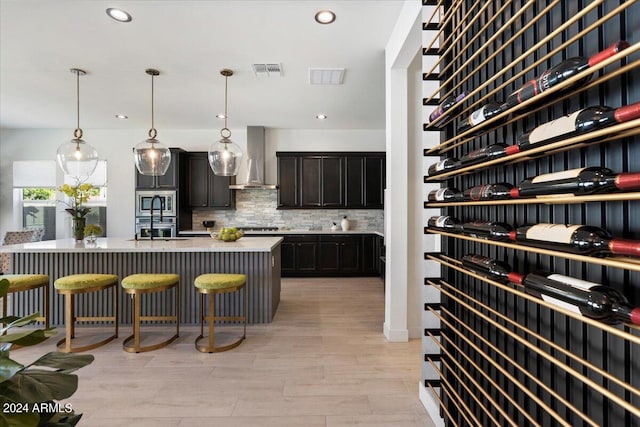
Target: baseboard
416	332
395	335
431	405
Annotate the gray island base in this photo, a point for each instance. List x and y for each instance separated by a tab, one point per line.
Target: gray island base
257	257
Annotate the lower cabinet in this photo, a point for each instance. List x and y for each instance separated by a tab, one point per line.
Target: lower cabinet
329	255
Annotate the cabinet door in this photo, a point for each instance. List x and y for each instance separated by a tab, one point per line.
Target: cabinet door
288	182
310	177
329	259
198	176
350	255
220	196
170	178
331	181
306	257
374	181
370	254
144	182
354	182
287	257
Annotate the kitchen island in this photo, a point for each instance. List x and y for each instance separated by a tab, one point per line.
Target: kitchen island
257	257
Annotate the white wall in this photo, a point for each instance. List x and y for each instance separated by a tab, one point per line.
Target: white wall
116	146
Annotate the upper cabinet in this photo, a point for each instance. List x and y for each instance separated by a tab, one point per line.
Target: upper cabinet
331	180
203	188
169	180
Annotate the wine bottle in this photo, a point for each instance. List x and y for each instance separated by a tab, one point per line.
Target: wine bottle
487	267
588	299
480	115
488	230
576	239
444	195
500	191
446	223
591	180
443	166
560	73
490	152
447	104
581	121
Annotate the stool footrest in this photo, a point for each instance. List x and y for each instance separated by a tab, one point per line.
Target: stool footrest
141	349
206	349
95	319
62	345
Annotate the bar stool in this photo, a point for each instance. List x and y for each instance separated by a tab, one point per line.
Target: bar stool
213	284
27	282
138	284
75	284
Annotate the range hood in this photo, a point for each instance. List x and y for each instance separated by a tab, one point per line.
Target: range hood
255	162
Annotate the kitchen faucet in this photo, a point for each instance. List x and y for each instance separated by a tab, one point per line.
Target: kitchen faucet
153	199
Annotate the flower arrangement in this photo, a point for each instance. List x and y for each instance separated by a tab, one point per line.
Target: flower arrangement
92	230
78	194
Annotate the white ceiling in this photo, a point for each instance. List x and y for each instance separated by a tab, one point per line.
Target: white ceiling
189	42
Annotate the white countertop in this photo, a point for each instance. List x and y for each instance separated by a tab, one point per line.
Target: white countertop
291	231
109	244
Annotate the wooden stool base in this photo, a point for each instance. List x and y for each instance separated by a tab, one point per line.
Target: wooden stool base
210	347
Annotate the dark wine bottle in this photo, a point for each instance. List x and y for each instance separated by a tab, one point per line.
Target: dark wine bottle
560	73
581	121
588	299
480	115
445	223
490	152
500	191
487	267
443	166
576	239
488	230
447	104
444	195
591	180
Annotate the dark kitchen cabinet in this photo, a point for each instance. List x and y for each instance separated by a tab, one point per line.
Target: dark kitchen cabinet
205	189
326	181
371	254
329	255
288	169
167	181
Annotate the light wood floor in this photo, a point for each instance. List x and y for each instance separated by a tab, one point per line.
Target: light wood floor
322	362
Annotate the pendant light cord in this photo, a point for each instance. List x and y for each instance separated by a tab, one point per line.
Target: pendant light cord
152	132
78	132
225	132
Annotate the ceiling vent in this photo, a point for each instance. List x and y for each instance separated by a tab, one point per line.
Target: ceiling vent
326	76
267	70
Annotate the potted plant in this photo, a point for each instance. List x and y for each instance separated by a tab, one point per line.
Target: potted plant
30	394
77	195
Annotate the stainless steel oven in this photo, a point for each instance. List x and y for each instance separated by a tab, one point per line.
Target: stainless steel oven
166	202
165	228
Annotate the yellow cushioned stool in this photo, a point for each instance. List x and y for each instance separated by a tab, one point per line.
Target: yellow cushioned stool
27	282
138	284
213	284
76	284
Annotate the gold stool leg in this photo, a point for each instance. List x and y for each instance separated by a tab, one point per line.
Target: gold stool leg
68	320
136	322
212	316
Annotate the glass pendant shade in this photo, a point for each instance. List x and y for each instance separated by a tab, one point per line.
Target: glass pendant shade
152	157
77	159
225	157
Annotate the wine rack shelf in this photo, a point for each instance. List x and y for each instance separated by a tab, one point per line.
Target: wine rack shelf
507	357
548	200
616	262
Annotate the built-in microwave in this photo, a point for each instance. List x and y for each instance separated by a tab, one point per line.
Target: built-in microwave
165	202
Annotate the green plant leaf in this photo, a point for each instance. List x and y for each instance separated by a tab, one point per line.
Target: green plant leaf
27	338
61	420
66	362
37	385
4	287
8	319
8	368
27	419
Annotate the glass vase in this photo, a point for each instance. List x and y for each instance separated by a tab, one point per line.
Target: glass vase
78	227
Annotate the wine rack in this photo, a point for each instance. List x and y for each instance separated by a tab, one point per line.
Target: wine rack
506	357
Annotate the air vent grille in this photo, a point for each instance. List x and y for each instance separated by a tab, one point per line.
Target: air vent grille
326	76
267	70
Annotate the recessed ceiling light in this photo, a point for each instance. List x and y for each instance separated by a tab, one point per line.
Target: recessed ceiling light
325	17
221	116
119	14
321	116
121	116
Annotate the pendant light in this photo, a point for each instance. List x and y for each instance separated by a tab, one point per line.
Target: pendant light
151	156
225	155
77	158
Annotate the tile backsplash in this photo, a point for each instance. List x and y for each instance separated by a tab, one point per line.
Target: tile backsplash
259	208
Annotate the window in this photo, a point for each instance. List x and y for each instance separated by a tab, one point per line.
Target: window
39	210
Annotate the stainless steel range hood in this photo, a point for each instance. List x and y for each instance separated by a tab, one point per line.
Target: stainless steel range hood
255	162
